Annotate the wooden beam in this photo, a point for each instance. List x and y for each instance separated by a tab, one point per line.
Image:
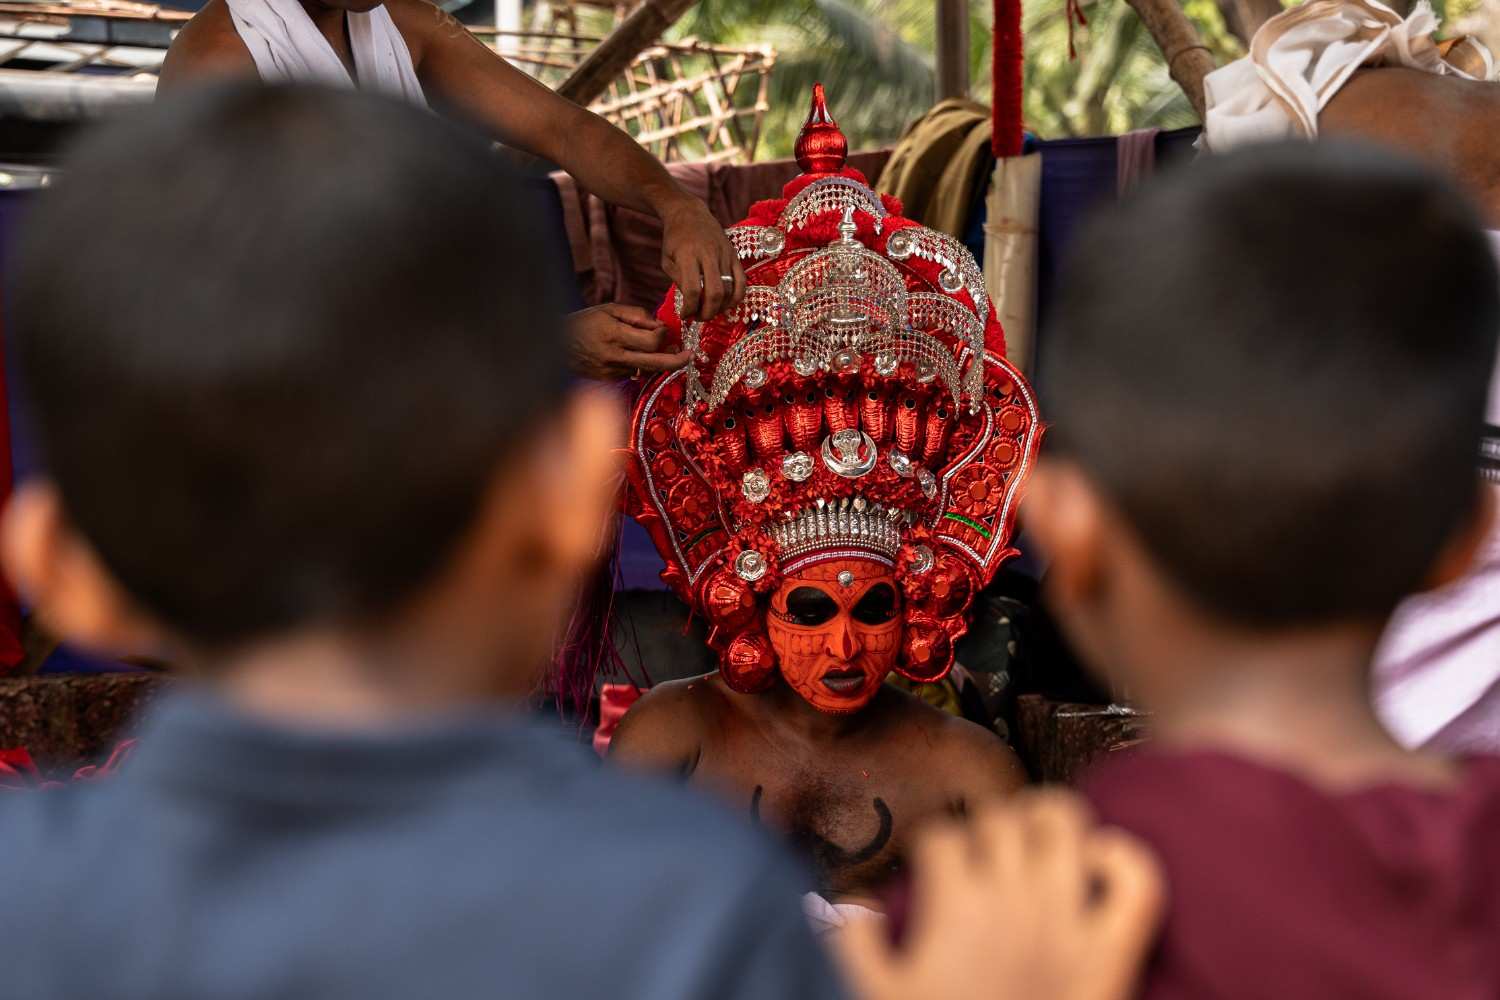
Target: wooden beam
615	54
1244	17
952	49
1188	59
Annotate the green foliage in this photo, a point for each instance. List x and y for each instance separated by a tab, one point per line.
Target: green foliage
876	59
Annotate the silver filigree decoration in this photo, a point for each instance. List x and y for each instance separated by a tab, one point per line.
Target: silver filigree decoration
797	466
750	565
849	453
844	301
831	194
756	485
755	377
900	245
841	525
756	242
922	559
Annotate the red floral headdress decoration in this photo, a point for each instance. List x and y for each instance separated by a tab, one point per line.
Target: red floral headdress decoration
856	403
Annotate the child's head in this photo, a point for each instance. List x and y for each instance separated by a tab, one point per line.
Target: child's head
1266	381
296	363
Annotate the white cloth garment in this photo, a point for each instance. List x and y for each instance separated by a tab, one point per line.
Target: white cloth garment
1301	57
1437	671
826	917
287	47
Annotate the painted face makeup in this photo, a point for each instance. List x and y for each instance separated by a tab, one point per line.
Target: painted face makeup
836	629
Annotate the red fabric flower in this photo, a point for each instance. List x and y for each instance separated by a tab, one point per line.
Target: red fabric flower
976	491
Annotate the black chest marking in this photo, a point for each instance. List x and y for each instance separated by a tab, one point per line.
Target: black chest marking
830	858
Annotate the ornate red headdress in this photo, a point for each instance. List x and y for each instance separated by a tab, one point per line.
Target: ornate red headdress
856	403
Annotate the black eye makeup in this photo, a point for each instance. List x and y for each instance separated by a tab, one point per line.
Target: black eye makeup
810	606
877	607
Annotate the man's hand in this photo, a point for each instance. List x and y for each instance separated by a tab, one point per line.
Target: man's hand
1027	900
697	255
614	341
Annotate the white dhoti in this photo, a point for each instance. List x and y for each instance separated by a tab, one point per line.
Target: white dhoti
287	47
826	917
1301	57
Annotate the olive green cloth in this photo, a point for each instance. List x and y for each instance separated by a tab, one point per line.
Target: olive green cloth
939	164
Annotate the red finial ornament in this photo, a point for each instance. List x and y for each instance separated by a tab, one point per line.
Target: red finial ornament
821	147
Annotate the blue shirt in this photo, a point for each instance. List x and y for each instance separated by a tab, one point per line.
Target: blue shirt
474	857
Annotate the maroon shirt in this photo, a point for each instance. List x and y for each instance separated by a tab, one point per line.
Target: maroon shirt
1282	891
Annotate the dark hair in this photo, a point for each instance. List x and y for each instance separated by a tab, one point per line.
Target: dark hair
277	342
1275	362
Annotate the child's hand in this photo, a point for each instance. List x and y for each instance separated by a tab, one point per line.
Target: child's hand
1028	899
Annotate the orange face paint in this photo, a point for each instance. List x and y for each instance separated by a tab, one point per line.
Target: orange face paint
836	629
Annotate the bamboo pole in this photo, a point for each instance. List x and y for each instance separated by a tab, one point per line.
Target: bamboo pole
952	49
615	54
1188	59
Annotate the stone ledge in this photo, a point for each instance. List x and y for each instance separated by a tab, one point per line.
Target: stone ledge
68	720
1058	740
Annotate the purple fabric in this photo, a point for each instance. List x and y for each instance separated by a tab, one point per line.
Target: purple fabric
1277	888
1135	154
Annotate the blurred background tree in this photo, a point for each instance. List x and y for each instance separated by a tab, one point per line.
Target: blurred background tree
876	58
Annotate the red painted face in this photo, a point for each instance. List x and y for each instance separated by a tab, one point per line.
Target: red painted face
836	629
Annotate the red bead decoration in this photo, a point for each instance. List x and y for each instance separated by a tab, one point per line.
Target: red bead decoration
804	418
729	603
935	432
908	422
926	650
729	441
821	148
841	407
952	587
748	663
765	430
875	416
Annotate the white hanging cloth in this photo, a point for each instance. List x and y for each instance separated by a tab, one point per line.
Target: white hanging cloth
1301	57
287	47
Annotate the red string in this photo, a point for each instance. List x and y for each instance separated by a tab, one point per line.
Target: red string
1074	11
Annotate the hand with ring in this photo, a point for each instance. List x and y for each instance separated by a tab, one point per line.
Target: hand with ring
697	256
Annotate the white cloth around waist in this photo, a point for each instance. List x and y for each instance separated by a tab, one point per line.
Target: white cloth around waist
1300	58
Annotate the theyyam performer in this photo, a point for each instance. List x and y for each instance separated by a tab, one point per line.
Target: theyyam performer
830	480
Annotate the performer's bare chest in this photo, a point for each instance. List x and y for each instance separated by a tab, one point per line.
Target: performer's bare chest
849	813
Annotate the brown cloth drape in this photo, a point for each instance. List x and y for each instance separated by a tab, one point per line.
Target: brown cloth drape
617	251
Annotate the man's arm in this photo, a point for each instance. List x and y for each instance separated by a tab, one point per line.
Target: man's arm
206	49
462	71
663	731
